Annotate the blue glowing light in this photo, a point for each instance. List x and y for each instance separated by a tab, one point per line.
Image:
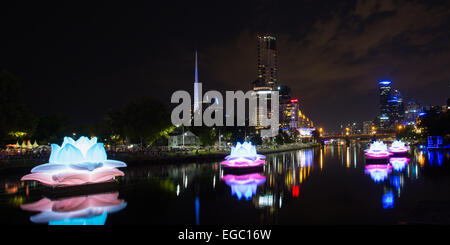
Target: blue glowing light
388	200
95	220
385	82
197	211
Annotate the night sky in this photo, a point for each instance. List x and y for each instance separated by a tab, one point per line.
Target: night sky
81	59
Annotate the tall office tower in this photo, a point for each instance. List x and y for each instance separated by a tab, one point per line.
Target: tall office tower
385	108
397	108
267	72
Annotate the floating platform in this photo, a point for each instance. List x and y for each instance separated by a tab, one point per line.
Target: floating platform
80	190
243	170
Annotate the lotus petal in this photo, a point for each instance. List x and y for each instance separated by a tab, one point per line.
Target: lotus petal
89	166
69	154
96	153
54	153
49	168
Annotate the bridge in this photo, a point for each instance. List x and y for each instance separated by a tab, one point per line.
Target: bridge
358	136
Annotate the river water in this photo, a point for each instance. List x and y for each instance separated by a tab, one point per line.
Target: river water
325	185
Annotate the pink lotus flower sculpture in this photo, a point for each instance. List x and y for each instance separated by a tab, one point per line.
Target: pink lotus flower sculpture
243	156
377	150
76	162
398	147
398	163
244	185
378	172
80	210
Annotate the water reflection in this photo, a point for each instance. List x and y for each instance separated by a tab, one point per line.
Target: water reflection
398	163
378	172
79	210
297	185
244	185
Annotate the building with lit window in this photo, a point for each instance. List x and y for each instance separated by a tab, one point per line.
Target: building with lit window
289	119
267	73
413	109
391	106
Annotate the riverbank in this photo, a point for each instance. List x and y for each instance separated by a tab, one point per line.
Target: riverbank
172	158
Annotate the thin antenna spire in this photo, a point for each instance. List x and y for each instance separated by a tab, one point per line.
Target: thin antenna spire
196	68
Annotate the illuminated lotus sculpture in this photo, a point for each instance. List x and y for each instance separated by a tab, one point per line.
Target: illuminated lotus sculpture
398	163
243	156
76	162
398	147
377	150
80	210
244	185
378	172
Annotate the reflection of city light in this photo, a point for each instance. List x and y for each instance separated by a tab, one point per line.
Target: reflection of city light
378	172
244	185
398	163
388	200
348	156
295	191
75	163
81	210
265	201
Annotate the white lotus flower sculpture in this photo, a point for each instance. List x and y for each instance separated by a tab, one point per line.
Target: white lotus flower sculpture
76	162
244	155
398	147
377	150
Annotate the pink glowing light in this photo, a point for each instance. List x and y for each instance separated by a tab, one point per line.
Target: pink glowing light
378	172
377	150
243	156
244	185
398	147
74	207
75	163
398	163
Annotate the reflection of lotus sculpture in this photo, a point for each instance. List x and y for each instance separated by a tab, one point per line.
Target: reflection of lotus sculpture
377	150
243	155
398	163
81	210
244	185
398	147
76	162
378	172
388	200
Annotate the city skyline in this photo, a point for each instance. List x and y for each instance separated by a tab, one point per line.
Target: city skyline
333	68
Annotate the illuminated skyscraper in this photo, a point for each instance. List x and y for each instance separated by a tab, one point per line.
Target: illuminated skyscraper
267	63
385	95
267	72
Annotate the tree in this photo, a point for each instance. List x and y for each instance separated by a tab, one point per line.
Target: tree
15	119
51	128
140	121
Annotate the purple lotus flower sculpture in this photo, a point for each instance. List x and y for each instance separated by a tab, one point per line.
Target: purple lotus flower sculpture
398	163
398	147
76	162
377	150
244	185
243	156
378	172
80	210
